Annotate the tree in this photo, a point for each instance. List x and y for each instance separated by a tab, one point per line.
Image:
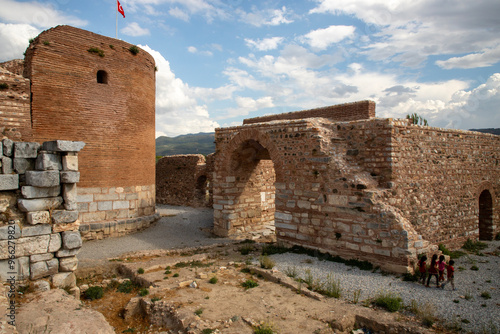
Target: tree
417	120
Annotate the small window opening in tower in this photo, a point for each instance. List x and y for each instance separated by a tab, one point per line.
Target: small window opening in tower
102	77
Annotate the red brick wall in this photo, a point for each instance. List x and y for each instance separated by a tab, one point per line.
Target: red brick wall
342	112
116	120
15	104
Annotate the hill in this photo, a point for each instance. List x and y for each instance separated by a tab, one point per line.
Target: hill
200	143
491	130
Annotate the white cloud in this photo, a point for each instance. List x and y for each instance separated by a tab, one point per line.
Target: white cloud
267	17
194	50
134	29
410	31
40	15
247	105
265	44
14	39
179	13
487	57
321	39
177	108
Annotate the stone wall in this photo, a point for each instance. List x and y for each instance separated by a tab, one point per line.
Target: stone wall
342	112
91	88
14	104
185	180
39	236
439	175
371	189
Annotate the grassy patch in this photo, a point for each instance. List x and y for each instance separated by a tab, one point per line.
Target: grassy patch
143	292
389	301
96	51
133	50
126	287
246	249
249	284
94	292
424	311
265	328
266	262
3	86
140	271
193	264
213	280
474	246
198	312
485	295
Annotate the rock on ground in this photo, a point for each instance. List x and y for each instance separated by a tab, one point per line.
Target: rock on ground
55	311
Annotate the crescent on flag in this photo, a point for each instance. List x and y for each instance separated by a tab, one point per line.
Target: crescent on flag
120	8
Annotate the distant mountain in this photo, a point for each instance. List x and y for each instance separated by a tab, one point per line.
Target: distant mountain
491	130
200	143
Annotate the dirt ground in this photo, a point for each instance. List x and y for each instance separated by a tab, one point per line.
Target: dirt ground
201	291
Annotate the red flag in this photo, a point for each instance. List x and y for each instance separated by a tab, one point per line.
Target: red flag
120	8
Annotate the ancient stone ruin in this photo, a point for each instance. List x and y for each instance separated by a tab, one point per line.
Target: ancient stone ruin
39	210
339	180
79	86
185	180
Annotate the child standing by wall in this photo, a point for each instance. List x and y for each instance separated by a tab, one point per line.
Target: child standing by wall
441	268
422	268
433	271
450	275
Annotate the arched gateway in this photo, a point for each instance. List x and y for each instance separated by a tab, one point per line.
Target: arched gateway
338	180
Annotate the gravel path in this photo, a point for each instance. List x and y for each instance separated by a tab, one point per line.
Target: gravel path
181	227
477	314
178	227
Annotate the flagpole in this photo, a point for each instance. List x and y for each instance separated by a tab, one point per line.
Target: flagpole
116	35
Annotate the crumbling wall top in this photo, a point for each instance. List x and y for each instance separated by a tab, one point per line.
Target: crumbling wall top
341	112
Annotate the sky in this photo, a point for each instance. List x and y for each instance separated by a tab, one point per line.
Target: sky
221	61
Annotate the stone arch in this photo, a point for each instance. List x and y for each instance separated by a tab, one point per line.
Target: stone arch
485	199
249	169
485	215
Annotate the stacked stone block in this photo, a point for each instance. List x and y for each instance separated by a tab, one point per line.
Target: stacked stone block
40	217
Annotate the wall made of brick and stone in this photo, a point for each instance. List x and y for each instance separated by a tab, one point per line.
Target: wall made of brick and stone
39	237
324	197
438	176
14	104
116	119
182	180
341	112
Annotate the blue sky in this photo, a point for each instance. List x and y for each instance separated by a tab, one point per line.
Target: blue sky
222	61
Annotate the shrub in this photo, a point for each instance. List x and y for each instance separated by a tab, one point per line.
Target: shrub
134	50
245	250
245	270
94	292
291	272
475	268
485	295
97	51
389	301
208	331
140	271
175	275
143	292
126	287
249	283
424	311
198	312
213	280
265	328
332	287
497	237
410	277
3	85
474	246
266	262
155	299
274	249
46	43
